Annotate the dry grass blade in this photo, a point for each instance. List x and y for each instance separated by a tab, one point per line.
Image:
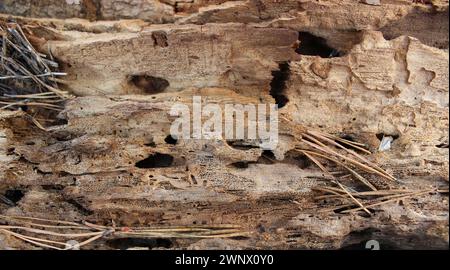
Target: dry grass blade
322	137
6	200
328	150
54	221
384	200
355	145
366	198
358	176
48	232
68	230
317	163
353	198
38	239
29	240
361	194
375	166
27	81
90	240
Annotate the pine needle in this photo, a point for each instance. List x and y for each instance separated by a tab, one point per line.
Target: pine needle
42	229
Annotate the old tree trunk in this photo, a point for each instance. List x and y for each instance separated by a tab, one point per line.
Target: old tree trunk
354	70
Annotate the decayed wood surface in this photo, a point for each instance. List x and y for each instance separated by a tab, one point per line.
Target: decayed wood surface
108	158
227	55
